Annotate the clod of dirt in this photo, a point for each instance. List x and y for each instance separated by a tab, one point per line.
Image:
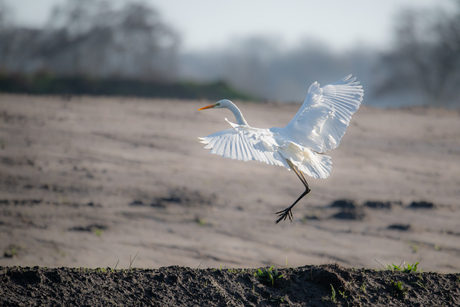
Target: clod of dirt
11	251
92	204
23	202
402	227
89	228
137	203
344	203
185	197
311	216
357	214
331	274
376	204
422	205
45	187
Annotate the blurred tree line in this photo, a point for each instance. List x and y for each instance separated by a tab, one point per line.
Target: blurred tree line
89	40
92	47
259	66
422	67
426	57
90	37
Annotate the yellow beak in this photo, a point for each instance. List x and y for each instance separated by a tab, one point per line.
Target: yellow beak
207	107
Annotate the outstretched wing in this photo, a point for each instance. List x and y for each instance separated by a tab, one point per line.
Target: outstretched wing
245	143
325	114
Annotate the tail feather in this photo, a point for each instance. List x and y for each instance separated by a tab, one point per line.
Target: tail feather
313	164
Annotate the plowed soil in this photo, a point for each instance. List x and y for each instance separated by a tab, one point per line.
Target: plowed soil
325	285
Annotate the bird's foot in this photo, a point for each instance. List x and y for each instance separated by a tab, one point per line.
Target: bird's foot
283	214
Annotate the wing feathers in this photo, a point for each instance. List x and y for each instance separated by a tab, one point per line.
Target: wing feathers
246	143
325	114
243	143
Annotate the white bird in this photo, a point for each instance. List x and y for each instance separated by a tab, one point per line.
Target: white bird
318	127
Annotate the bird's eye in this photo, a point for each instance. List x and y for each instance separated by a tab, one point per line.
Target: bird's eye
217	104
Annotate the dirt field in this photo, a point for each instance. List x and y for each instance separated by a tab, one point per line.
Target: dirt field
93	182
325	285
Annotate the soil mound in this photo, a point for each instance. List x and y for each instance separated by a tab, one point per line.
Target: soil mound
325	285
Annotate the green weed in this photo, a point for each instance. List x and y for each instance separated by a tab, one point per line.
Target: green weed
131	261
363	287
333	295
201	222
236	271
342	293
404	267
97	231
13	252
278	299
268	276
419	283
399	289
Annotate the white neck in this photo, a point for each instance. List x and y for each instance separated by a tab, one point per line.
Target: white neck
239	116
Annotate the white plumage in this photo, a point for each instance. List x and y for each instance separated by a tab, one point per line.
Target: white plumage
318	127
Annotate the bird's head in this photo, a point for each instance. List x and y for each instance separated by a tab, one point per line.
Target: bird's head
224	103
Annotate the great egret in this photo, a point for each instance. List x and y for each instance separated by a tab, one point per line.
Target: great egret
318	126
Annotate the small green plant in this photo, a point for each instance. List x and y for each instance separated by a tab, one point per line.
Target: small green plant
410	268
393	267
404	267
131	261
342	293
97	231
278	299
419	283
13	251
268	276
201	222
333	295
236	271
399	289
363	287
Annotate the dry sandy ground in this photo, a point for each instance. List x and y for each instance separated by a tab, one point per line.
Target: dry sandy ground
93	182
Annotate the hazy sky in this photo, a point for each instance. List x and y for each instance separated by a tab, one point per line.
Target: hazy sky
205	24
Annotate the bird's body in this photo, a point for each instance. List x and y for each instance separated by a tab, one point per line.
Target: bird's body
317	128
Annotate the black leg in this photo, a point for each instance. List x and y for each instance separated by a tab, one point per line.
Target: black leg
283	214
